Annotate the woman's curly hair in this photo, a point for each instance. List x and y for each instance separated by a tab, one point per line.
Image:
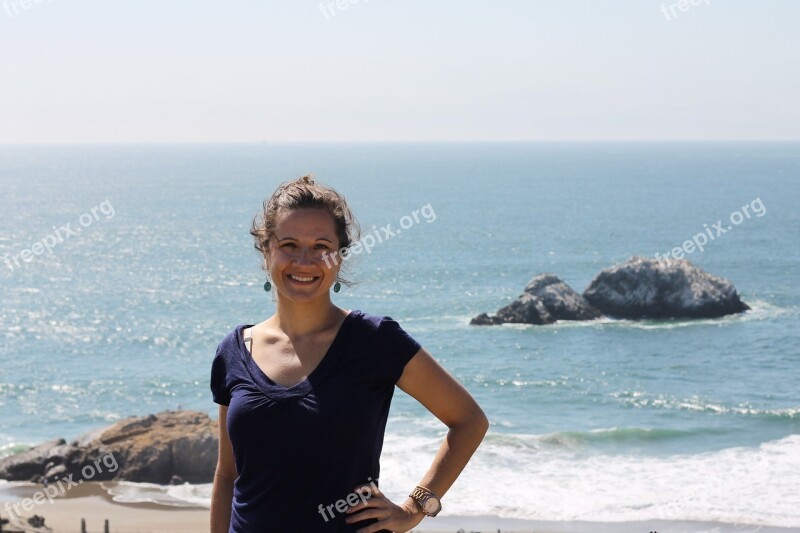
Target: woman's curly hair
302	193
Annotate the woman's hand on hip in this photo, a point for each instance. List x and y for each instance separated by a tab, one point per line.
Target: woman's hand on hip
392	517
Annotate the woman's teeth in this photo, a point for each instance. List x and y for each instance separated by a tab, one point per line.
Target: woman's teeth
304	280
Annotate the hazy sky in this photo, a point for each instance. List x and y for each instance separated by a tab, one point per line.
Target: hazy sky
382	70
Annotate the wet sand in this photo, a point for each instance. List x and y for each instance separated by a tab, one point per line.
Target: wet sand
91	502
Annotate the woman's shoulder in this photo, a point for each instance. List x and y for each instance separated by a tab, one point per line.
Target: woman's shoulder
368	320
376	323
231	342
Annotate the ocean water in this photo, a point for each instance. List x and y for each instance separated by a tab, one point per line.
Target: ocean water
151	264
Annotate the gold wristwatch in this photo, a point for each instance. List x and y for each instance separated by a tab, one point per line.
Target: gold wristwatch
427	501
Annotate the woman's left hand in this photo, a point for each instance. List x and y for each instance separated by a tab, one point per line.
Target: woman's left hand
397	518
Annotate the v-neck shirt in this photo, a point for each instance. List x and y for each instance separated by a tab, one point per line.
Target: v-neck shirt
275	390
300	449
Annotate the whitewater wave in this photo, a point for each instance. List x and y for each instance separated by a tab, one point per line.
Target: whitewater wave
11	448
614	435
185	495
521	476
698	404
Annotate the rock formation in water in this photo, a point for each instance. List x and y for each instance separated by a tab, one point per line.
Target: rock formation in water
545	300
646	288
168	447
639	288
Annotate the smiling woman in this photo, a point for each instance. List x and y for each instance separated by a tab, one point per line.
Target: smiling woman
304	396
304	210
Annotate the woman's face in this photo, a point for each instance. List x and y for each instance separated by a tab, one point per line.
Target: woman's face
303	246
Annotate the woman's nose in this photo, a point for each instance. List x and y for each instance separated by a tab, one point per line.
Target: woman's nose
305	256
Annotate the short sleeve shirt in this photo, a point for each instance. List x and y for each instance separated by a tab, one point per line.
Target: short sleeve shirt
301	450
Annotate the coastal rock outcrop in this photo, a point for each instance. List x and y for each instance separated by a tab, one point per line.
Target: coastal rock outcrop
156	449
545	300
639	288
675	288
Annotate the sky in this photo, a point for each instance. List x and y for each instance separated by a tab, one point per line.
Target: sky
82	71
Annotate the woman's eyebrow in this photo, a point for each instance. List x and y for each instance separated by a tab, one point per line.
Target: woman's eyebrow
294	239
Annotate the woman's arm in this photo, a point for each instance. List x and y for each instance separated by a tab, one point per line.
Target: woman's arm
224	476
429	383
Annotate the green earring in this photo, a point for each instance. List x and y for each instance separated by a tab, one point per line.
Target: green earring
337	286
267	286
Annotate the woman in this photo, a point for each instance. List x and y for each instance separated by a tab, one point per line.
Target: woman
304	395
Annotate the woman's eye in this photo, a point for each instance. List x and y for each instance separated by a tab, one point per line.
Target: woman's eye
319	246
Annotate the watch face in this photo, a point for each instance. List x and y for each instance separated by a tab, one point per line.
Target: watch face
431	505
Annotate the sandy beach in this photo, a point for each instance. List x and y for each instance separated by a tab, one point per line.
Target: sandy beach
91	502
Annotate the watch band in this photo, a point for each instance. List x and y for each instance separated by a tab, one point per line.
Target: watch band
421	495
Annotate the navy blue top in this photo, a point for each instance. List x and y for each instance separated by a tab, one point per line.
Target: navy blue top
300	450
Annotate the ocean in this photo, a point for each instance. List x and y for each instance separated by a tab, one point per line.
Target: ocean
123	266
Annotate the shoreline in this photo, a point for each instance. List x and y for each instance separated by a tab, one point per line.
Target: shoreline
91	501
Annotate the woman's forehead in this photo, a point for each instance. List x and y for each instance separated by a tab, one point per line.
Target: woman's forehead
306	221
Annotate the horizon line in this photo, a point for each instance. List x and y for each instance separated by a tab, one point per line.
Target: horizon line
422	141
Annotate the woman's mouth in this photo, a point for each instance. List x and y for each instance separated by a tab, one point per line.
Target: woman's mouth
303	280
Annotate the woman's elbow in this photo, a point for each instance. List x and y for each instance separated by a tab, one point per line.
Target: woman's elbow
474	422
481	422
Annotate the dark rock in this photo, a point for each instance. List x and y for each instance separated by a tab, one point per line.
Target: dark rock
150	449
20	524
484	320
645	288
561	302
28	465
157	447
546	300
526	309
36	521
